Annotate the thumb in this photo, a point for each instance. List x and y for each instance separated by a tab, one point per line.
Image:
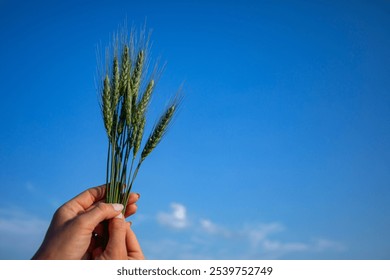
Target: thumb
100	212
116	246
134	250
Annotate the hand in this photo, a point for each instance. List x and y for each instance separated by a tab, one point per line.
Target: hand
75	226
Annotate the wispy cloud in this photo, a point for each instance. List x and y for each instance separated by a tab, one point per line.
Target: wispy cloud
259	233
323	244
21	233
211	228
204	238
177	218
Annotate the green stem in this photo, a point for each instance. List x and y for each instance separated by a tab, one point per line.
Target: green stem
112	174
130	182
108	169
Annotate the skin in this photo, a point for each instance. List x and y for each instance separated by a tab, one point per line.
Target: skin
87	228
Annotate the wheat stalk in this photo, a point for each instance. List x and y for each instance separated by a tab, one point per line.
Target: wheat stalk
124	116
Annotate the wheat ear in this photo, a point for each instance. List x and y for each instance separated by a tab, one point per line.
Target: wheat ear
115	83
145	99
128	102
125	70
106	106
138	136
158	131
136	76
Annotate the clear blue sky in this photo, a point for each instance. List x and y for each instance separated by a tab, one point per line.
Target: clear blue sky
281	149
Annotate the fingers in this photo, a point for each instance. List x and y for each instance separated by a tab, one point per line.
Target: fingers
86	199
116	246
134	250
102	211
133	198
131	207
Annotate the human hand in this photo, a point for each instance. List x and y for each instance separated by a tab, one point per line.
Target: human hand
75	226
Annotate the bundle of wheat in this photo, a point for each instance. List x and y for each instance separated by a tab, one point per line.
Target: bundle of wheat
124	113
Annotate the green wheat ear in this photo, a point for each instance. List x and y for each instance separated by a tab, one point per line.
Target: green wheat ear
145	99
125	70
125	116
136	76
158	132
128	102
107	108
115	83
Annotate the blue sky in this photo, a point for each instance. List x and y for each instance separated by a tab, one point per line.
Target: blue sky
281	149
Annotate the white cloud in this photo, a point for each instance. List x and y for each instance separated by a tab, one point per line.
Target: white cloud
208	239
18	221
177	218
259	233
212	228
208	226
323	244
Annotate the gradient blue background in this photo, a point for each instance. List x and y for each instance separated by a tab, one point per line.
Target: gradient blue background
281	149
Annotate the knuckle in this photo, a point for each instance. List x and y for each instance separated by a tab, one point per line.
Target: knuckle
80	221
102	207
63	213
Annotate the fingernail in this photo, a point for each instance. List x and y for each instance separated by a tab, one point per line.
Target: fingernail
130	223
117	206
138	195
119	216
